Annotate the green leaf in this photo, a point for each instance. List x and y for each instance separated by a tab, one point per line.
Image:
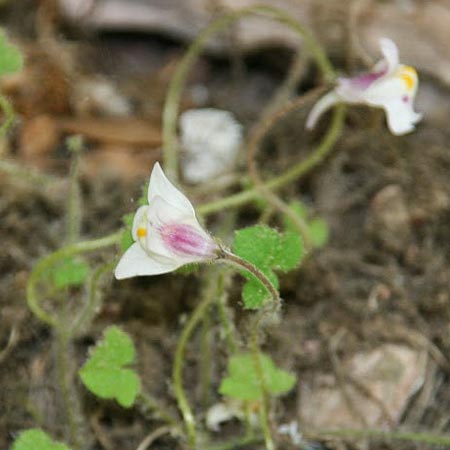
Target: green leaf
257	245
105	373
300	209
243	382
70	272
317	227
290	251
255	294
267	249
36	439
319	232
11	59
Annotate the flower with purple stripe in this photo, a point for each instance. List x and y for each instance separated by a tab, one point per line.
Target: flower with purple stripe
166	232
389	85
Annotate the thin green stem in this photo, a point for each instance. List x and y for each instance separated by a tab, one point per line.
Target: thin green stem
423	437
299	170
93	298
264	407
227	324
172	103
206	359
50	260
236	261
177	372
253	143
9	115
72	409
231	258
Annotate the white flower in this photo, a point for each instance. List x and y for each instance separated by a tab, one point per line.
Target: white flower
389	85
211	139
166	232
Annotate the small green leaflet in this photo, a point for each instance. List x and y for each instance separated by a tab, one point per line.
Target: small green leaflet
268	250
11	59
106	374
36	439
317	227
243	382
70	272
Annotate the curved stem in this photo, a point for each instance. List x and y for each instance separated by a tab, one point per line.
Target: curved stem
93	299
72	409
230	258
172	103
300	169
256	137
264	408
177	372
50	260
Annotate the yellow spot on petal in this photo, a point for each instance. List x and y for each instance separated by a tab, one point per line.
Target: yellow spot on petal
141	232
409	75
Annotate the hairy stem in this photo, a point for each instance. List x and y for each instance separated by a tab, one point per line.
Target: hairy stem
44	264
72	409
227	325
236	261
254	141
206	359
299	170
230	258
177	372
93	298
172	103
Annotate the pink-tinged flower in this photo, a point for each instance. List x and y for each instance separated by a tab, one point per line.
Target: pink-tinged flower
166	232
389	85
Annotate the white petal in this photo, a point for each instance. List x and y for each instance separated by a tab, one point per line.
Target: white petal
324	103
385	90
160	214
139	221
400	116
160	186
390	53
136	262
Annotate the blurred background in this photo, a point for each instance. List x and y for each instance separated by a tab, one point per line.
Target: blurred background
367	318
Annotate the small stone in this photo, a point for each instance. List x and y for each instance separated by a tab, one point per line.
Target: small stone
390	373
